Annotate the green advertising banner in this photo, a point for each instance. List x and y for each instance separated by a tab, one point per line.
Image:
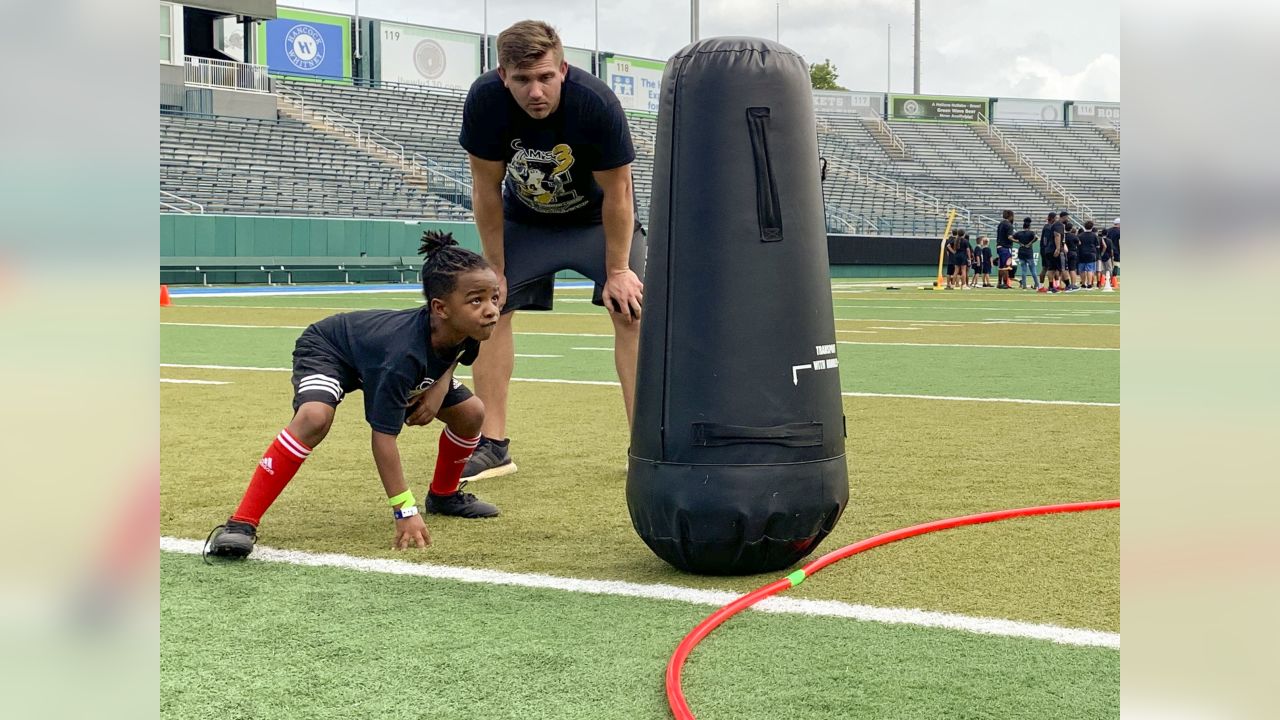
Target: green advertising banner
931	108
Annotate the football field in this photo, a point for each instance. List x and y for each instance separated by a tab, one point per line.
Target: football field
956	402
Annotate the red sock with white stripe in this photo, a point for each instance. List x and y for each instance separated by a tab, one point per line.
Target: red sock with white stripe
279	464
454	453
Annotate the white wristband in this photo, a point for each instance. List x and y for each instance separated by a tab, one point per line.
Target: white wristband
405	512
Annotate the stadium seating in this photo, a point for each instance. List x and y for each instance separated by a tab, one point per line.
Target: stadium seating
234	165
282	167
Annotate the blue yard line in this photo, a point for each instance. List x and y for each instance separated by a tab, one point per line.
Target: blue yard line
258	290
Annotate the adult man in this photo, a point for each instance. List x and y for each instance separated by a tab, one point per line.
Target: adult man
550	154
1113	246
1050	245
1004	247
1026	256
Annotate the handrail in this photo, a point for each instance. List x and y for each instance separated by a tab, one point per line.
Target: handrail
1068	197
165	193
894	140
363	136
898	189
212	72
844	216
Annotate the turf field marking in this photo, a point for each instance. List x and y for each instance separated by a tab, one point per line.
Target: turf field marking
956	398
256	327
966	345
195	382
877	327
614	383
538	356
592	348
781	605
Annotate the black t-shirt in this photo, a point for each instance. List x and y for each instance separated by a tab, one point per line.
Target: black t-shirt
1058	229
1113	239
1004	233
1073	241
549	161
390	351
963	248
1089	245
986	255
1046	240
1025	239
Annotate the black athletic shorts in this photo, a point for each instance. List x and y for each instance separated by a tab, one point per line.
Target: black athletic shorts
534	253
321	375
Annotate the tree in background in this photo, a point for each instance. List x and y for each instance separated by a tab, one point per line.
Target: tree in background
823	76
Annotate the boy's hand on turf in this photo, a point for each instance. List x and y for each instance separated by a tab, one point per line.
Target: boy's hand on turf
411	532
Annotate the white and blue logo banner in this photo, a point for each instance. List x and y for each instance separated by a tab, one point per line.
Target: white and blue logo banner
304	47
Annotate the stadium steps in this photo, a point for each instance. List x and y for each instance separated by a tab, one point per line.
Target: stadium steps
414	178
1027	169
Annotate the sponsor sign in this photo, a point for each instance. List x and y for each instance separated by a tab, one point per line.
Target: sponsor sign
938	109
635	81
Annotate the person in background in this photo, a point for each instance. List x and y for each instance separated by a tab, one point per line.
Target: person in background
1072	240
1113	241
1090	247
984	261
1026	255
1048	255
950	253
1004	247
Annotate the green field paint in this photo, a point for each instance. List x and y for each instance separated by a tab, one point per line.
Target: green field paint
796	577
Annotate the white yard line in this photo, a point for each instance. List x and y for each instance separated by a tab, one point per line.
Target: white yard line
965	345
613	383
674	593
877	327
194	382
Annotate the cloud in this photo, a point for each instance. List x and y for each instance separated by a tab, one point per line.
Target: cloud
1099	80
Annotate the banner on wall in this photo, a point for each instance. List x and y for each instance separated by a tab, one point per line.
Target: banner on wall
300	42
1095	113
835	102
636	81
938	109
427	56
1015	110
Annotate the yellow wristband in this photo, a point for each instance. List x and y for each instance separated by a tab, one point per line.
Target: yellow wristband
405	497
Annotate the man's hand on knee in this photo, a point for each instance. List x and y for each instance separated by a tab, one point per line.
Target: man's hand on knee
623	294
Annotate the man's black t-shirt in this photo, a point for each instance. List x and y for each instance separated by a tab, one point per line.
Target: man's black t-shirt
1089	245
1058	229
1025	239
1046	240
1004	234
390	351
549	161
1113	239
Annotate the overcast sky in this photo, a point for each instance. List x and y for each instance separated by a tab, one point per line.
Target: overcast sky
999	48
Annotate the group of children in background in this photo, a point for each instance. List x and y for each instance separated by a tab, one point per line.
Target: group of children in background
1071	257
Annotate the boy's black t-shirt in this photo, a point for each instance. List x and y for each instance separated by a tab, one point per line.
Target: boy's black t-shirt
1089	246
1072	241
986	255
1025	239
1004	234
549	161
390	352
1113	239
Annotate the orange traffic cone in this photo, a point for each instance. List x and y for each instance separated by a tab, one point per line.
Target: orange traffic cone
164	296
1115	281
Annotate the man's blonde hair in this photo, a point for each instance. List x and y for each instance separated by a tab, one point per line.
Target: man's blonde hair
524	43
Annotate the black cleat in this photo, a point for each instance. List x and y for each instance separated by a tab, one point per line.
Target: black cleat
233	541
460	504
492	458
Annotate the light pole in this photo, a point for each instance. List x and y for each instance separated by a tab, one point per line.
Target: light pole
777	22
915	85
888	60
595	56
693	21
484	61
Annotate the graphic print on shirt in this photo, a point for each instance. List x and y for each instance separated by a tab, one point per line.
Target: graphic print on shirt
541	178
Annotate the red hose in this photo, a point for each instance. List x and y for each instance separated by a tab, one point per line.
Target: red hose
675	696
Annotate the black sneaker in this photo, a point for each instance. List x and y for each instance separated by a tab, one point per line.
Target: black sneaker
492	458
460	504
234	540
